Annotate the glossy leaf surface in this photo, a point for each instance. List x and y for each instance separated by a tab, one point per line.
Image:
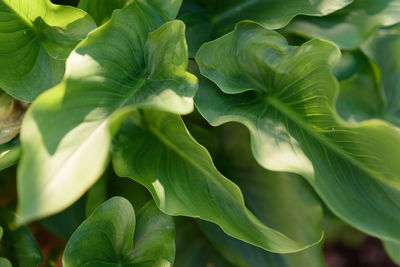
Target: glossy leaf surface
112	237
153	142
351	26
294	127
119	67
35	39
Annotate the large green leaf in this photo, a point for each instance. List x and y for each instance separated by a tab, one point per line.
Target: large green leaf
101	10
119	67
285	96
209	19
109	237
35	39
155	149
17	244
351	26
284	201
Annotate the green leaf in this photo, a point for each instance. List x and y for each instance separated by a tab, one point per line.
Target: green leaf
11	115
193	248
9	153
351	26
125	64
156	150
109	237
101	10
393	250
209	19
18	244
284	201
4	262
35	39
294	127
382	49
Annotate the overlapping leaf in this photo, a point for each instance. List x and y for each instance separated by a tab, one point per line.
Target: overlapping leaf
112	237
101	10
119	67
9	153
11	115
35	39
17	244
351	26
156	150
393	250
285	96
284	201
209	19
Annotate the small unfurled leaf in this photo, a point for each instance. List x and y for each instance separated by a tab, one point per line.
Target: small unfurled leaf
35	39
156	150
127	63
352	25
209	19
101	10
17	244
109	237
285	96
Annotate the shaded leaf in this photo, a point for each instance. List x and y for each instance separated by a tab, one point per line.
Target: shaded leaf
108	237
9	153
284	201
18	244
101	10
351	26
119	67
11	115
156	150
193	248
209	19
36	37
294	126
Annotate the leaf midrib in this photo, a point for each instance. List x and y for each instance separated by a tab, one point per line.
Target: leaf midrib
121	104
294	117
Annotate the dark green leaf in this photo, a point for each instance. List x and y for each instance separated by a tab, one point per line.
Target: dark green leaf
101	10
9	153
125	64
294	127
35	39
18	244
109	238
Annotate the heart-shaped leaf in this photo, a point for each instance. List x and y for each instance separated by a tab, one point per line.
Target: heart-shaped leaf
35	39
109	237
17	244
290	113
351	26
125	64
209	19
155	149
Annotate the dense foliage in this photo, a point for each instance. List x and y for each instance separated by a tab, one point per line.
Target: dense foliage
97	92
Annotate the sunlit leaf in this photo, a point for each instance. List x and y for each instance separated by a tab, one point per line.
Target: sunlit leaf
393	250
35	39
294	127
127	63
110	237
